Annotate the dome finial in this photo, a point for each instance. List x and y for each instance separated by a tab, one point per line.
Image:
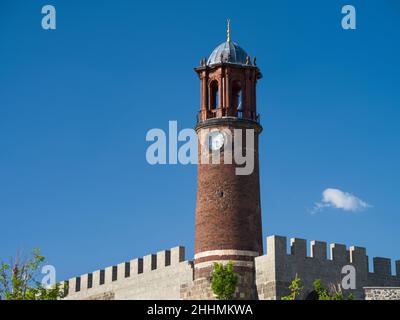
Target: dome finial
228	31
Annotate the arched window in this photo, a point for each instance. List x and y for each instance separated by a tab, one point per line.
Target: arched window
237	96
214	95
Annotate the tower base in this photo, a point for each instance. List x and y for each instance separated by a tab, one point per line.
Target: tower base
200	288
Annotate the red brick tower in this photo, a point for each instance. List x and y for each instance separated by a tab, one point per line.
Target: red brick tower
228	214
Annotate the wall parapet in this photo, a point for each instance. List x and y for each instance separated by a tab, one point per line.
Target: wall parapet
277	247
283	261
123	271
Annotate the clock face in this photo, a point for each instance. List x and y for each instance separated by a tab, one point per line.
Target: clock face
216	140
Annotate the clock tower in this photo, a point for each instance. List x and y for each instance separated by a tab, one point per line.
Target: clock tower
228	213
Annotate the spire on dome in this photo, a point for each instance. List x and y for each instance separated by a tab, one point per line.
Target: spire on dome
228	31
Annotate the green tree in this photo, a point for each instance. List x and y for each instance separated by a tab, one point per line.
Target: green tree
295	288
224	281
322	292
334	294
19	280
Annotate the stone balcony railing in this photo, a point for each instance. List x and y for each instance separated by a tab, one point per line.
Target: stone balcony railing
203	115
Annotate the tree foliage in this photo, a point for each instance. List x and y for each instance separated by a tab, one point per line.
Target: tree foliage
333	293
295	288
224	281
19	280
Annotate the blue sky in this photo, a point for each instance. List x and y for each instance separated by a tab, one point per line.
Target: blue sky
76	104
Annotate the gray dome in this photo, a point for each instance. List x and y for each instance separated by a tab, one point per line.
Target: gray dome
231	53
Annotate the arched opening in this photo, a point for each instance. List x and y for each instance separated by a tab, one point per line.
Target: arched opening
237	97
214	95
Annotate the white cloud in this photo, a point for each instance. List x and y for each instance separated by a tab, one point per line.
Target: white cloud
338	199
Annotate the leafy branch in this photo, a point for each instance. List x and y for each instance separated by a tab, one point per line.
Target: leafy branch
19	280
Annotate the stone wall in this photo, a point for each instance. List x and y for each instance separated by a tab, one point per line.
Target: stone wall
156	276
384	293
276	269
200	288
167	275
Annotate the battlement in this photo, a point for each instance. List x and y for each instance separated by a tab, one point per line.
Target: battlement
134	273
277	247
283	261
165	275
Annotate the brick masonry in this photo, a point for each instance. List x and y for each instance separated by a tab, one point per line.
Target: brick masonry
228	216
228	210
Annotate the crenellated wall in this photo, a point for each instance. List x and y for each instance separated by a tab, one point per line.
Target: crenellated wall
276	269
155	276
167	275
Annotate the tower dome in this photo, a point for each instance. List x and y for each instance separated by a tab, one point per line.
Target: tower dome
227	52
